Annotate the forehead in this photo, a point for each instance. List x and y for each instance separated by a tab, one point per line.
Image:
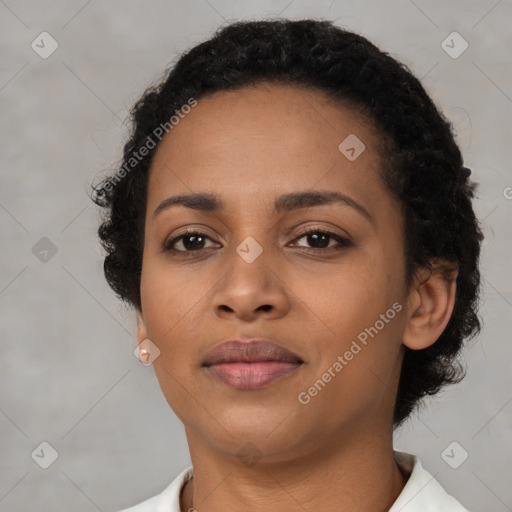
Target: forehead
263	140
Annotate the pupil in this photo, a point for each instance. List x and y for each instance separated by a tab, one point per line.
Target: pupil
192	237
316	237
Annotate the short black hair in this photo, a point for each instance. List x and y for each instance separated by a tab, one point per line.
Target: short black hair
421	163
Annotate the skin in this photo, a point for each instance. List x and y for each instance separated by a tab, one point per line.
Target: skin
250	146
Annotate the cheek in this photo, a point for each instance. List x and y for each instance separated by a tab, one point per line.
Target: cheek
361	310
169	303
351	296
170	299
361	323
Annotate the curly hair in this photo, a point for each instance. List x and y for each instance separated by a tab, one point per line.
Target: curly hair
421	164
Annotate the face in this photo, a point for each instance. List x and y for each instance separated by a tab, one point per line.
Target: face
321	279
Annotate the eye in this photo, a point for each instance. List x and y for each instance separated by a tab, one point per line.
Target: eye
191	241
320	239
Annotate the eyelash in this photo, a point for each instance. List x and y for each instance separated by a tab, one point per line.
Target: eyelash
343	242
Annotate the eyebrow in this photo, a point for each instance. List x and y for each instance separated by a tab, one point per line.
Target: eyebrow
285	203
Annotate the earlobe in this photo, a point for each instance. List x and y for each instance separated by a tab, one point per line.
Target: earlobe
430	306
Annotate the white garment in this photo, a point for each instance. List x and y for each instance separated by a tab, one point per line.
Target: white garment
422	492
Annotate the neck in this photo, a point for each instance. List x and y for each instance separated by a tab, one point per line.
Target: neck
358	475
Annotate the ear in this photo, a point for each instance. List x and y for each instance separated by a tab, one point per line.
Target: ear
430	305
142	333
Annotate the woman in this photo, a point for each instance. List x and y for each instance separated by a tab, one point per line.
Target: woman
292	223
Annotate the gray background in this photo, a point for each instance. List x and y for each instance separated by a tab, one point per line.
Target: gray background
67	372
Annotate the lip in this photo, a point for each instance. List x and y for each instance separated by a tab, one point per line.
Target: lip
250	364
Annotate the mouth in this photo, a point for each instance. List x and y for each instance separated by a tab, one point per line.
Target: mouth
251	364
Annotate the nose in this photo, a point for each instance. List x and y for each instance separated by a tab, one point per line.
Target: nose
250	290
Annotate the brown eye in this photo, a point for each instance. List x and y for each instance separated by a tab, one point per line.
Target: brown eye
190	241
319	239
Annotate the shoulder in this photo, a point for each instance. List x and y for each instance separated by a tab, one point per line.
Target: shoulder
166	501
422	492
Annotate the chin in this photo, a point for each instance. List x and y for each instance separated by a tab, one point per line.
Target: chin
271	429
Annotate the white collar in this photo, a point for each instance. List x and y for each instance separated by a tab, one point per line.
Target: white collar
422	492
